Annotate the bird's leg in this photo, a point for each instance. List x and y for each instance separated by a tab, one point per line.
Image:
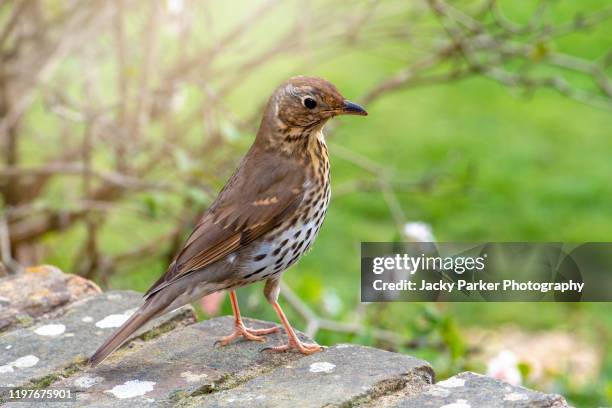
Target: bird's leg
271	291
240	330
294	342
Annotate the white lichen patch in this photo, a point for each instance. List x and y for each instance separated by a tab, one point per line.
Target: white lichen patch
191	377
322	367
516	396
438	392
26	361
50	330
131	389
7	368
452	382
460	403
87	382
245	398
87	319
21	362
341	346
114	320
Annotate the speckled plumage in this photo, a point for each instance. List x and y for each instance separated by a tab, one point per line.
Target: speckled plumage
280	248
264	219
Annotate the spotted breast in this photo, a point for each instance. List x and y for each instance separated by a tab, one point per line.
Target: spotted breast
285	244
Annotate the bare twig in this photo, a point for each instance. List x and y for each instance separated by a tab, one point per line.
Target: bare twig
6	258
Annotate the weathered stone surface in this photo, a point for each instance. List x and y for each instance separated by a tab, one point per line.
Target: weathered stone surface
56	324
176	365
44	289
470	390
37	355
343	375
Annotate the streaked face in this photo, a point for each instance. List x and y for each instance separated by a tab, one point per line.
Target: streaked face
304	102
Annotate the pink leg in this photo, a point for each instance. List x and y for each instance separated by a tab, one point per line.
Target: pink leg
240	330
294	342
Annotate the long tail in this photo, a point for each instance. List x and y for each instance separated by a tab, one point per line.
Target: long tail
152	308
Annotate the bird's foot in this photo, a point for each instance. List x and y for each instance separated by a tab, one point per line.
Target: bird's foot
240	330
296	344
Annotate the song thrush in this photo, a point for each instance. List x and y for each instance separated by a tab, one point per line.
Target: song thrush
267	215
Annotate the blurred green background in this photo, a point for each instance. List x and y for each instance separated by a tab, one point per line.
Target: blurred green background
475	158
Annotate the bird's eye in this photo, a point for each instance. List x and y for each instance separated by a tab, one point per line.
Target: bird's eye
310	103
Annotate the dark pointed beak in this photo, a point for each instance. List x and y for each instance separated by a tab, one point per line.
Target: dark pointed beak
350	108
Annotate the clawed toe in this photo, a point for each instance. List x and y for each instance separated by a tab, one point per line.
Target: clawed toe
248	334
262	332
304	348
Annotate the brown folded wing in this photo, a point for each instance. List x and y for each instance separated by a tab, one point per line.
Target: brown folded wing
259	196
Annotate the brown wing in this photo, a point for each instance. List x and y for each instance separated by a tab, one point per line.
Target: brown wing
257	198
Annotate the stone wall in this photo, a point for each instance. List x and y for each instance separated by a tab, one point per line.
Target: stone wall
51	322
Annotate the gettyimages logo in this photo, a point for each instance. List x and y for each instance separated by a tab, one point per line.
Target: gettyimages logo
406	262
495	272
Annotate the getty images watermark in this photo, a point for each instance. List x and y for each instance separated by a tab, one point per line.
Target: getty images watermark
454	272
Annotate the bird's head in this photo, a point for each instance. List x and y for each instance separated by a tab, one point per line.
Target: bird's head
306	102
